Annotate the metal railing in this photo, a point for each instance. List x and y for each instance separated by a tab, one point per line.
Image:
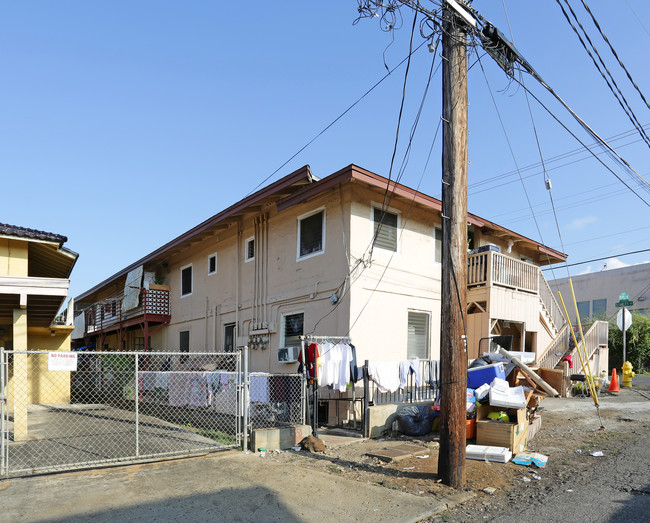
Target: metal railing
411	392
595	336
108	313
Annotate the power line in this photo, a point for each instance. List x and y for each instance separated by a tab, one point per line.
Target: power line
601	259
611	48
613	86
619	233
608	149
637	18
327	127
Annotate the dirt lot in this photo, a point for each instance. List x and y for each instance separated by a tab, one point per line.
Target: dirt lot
570	431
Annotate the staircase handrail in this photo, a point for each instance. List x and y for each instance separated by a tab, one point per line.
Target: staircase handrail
551	304
556	350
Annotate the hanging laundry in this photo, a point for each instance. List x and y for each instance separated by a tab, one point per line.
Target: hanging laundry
407	367
312	356
385	374
329	365
345	357
356	373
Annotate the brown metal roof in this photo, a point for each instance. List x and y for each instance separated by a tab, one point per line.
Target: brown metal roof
354	172
298	187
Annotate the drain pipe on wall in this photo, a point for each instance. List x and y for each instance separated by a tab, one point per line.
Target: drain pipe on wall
214	328
239	231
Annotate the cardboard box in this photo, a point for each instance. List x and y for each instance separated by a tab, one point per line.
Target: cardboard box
512	435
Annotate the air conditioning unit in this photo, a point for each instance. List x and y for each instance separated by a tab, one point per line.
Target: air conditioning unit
288	354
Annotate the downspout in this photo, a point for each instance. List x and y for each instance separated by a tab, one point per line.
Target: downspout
214	328
266	277
239	231
207	314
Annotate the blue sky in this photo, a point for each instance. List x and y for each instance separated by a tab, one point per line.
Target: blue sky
125	123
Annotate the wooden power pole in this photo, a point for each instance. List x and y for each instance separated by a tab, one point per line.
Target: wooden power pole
453	352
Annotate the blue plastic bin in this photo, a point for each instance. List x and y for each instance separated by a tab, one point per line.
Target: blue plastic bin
485	374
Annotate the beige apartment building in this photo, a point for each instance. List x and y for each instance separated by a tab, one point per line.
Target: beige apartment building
352	254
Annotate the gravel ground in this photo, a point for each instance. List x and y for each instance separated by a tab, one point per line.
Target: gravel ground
574	482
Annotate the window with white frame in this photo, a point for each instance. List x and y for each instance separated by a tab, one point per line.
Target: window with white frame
249	249
418	339
386	225
186	280
311	234
212	264
437	244
292	329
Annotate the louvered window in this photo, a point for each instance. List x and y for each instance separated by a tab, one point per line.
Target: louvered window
417	345
250	250
385	230
293	329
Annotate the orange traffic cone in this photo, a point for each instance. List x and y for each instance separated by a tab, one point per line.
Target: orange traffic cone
613	385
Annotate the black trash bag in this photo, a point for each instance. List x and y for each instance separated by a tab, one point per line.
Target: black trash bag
415	420
481	362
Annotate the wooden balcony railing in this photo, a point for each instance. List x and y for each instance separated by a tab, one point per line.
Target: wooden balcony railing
154	305
495	269
492	268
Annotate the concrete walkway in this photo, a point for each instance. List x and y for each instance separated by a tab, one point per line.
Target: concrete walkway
229	486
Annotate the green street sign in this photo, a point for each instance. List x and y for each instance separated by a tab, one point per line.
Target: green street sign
624	303
624	296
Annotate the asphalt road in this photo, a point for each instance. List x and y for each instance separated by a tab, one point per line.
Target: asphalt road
619	487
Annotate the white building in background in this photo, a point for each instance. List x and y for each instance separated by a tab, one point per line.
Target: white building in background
598	292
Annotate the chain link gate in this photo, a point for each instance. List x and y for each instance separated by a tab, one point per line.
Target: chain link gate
65	410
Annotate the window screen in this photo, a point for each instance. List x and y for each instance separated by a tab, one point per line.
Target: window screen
385	230
212	264
417	345
186	281
293	329
311	234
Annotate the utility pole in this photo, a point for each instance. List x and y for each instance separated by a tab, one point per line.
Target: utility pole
453	351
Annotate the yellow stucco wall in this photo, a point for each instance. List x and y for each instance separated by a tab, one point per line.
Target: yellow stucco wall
13	257
41	385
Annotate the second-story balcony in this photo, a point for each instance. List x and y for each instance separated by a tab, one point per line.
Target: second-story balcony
119	312
489	269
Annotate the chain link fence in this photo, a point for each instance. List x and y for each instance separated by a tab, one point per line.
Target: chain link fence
64	410
276	400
